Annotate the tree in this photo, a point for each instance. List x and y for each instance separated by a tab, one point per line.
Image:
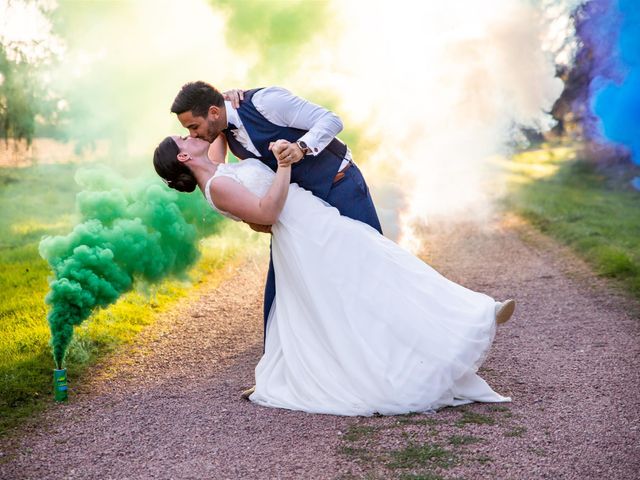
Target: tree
28	50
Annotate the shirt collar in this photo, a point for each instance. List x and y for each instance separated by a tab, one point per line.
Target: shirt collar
232	114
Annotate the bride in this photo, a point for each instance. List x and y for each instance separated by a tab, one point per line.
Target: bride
359	326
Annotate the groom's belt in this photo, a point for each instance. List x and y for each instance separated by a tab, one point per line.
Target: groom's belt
340	175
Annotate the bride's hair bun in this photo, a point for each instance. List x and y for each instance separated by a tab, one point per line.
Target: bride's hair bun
171	170
185	182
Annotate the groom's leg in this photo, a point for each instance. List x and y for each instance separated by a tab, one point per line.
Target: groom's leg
352	198
269	293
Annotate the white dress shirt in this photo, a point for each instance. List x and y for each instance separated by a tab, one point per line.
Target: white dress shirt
282	108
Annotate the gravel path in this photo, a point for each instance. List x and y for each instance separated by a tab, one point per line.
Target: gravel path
169	406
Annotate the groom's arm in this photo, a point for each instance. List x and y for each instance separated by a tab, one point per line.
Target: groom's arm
280	106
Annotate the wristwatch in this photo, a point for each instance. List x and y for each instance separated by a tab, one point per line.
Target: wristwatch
303	146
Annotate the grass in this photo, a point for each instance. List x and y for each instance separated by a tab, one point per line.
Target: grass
359	432
517	431
587	208
37	201
418	421
422	455
410	449
362	454
469	417
498	408
428	476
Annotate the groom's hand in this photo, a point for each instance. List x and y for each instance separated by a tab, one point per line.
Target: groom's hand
234	96
286	153
259	228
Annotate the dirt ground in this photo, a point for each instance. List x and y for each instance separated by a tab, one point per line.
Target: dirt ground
169	406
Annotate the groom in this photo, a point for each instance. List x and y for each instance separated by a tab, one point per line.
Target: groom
321	163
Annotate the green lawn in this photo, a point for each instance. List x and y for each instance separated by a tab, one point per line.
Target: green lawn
588	209
38	201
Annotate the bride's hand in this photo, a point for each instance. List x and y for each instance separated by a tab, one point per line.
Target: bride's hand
277	148
235	95
286	153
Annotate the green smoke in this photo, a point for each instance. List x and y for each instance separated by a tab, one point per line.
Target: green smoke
130	231
277	32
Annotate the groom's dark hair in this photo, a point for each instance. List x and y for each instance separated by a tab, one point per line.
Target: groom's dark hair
196	97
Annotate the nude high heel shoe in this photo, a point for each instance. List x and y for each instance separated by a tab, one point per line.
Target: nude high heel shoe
504	310
247	393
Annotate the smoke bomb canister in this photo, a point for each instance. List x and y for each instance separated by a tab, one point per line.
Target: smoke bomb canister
60	384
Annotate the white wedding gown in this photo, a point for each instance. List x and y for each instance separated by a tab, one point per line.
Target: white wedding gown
359	325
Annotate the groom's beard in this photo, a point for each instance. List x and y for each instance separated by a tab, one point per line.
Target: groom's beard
212	131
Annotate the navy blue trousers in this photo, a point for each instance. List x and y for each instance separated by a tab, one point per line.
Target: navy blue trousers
350	195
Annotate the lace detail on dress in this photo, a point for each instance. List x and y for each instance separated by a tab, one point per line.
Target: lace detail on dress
254	175
251	173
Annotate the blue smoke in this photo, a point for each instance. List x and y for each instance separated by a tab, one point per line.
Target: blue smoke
615	91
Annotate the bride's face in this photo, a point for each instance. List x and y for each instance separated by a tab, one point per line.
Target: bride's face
191	147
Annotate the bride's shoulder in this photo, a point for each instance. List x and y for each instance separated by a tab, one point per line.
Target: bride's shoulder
244	169
226	170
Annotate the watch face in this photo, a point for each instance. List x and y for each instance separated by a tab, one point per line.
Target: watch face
303	147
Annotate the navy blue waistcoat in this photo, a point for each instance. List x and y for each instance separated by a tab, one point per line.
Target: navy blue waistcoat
314	173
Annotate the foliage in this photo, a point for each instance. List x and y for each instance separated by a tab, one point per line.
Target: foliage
26	99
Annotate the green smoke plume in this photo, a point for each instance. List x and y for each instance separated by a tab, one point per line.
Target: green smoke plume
130	231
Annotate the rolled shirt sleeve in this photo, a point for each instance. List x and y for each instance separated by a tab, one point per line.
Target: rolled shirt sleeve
281	107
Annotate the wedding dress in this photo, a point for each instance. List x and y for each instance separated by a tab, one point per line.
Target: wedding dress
360	326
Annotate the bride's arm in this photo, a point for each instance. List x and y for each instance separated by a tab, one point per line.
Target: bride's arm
218	149
230	196
218	153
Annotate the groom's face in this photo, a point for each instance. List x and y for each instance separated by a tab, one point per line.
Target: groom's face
205	128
